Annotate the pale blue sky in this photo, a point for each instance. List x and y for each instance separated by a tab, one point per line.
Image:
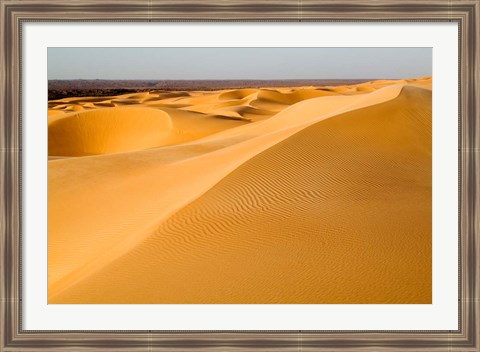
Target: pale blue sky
238	63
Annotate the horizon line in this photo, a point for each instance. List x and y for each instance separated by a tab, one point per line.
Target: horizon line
227	79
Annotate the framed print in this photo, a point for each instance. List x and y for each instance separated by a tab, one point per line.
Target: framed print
292	176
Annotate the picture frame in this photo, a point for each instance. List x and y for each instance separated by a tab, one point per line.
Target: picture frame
14	13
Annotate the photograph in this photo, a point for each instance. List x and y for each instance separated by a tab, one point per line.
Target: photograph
239	175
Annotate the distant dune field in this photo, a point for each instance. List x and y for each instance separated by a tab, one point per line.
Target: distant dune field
250	195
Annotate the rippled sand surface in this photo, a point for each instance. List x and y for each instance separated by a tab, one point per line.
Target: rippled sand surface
271	195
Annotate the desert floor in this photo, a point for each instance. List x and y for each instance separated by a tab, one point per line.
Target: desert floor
262	195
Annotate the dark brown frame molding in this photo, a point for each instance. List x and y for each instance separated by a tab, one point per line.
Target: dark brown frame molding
13	13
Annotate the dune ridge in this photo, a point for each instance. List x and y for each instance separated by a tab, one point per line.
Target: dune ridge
138	224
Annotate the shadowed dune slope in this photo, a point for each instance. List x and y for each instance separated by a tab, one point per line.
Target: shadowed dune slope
339	212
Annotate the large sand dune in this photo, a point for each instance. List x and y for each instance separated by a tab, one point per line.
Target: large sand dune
323	197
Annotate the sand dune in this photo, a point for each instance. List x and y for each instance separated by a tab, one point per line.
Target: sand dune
326	201
237	94
54	112
108	131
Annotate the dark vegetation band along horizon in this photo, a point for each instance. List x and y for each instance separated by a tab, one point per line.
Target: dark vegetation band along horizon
59	89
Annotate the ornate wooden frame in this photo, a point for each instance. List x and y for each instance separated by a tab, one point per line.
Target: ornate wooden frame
14	13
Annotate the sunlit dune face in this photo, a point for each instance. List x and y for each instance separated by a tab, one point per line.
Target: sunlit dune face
308	195
113	130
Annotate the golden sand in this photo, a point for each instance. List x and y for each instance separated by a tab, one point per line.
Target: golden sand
272	195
